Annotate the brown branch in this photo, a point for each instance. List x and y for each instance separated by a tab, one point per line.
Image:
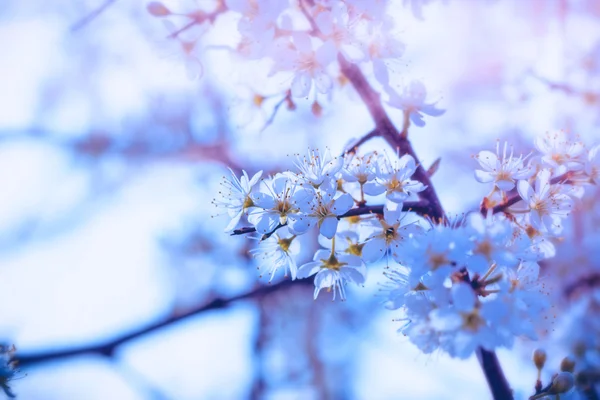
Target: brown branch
108	348
421	207
399	140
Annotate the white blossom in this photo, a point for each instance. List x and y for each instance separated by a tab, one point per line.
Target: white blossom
333	271
390	237
278	203
560	153
278	252
316	169
412	101
236	196
308	65
395	180
323	212
547	206
501	169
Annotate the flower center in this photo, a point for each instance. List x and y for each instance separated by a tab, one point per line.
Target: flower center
472	321
436	260
332	263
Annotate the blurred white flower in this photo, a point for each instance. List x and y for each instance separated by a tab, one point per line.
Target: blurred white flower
592	166
412	101
560	153
307	65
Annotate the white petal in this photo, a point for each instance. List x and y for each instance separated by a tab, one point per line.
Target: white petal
505	184
463	297
373	188
329	227
483	176
525	190
308	269
488	160
342	204
373	250
301	84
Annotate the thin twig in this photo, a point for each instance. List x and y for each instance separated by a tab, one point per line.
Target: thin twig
354	146
91	16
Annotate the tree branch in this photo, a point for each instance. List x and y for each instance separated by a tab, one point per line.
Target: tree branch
589	281
494	375
388	131
399	140
421	207
108	348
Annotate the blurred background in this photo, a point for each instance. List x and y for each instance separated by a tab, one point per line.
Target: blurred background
116	279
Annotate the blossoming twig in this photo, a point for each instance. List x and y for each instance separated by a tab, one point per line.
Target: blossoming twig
421	207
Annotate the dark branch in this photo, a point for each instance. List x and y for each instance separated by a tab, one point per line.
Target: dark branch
494	375
420	207
399	140
588	282
108	348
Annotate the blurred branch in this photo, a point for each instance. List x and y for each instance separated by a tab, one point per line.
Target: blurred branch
589	281
91	16
109	348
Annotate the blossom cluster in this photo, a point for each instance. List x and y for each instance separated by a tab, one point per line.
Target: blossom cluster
306	43
460	284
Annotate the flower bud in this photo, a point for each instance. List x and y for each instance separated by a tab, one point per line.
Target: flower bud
567	364
539	358
158	9
562	383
